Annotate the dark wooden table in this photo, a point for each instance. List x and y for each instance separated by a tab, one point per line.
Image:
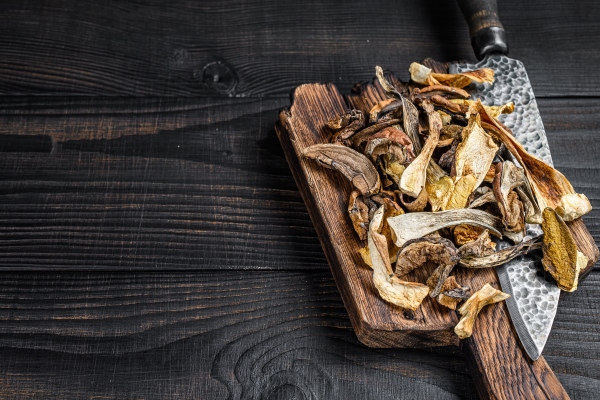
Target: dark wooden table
153	242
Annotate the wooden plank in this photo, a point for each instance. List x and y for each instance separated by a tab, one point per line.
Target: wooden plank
257	48
209	335
149	183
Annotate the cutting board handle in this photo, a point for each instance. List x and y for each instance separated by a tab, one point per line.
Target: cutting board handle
500	367
486	31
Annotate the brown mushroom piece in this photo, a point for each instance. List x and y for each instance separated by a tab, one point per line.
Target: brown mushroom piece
451	293
561	257
469	311
414	177
346	125
501	256
366	133
418	204
407	295
419	251
410	114
508	177
550	187
383	107
445	90
359	214
391	141
425	76
493	111
480	247
354	166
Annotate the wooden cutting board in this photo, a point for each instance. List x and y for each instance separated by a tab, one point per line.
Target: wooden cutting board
500	367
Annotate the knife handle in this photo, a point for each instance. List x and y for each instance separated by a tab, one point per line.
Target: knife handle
486	31
499	365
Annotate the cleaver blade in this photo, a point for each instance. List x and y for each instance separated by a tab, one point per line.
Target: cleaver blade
534	293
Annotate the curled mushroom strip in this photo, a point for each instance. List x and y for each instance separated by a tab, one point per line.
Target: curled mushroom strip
469	311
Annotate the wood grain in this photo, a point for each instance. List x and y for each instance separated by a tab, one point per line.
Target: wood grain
148	183
257	48
213	335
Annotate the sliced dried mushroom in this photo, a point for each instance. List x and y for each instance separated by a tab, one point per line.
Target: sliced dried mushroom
359	214
391	141
354	166
383	107
417	204
451	293
561	257
493	111
464	234
469	311
438	277
475	153
508	177
369	131
410	114
501	256
461	192
417	252
487	197
346	125
439	192
425	76
415	225
414	177
480	247
408	295
447	90
366	257
548	185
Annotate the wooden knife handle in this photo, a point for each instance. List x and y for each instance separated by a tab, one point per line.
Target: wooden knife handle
500	367
486	31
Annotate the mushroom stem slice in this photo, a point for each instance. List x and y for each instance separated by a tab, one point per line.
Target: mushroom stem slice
408	295
414	177
415	225
561	257
417	252
357	168
501	256
469	311
425	76
451	293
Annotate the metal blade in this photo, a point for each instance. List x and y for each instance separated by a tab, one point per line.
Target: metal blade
534	293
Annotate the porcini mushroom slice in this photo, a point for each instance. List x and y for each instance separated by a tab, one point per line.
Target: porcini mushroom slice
417	204
561	257
346	125
408	295
383	106
493	111
453	91
410	114
425	76
414	177
354	166
439	192
417	252
475	153
509	176
501	256
480	247
359	214
452	293
415	225
469	311
393	141
548	185
438	277
366	133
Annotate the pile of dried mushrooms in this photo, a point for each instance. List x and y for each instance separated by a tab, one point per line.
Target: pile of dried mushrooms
436	176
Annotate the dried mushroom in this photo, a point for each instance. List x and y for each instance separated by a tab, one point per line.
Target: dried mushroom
417	252
425	76
501	256
435	174
451	293
414	177
359	214
550	187
469	311
408	295
415	225
353	165
561	257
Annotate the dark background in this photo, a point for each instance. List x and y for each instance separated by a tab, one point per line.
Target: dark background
153	243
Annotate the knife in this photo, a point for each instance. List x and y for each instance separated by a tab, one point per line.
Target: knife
534	294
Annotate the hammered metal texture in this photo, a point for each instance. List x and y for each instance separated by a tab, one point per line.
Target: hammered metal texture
534	294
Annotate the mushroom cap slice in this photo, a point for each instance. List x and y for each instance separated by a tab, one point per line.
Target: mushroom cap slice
469	311
356	167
